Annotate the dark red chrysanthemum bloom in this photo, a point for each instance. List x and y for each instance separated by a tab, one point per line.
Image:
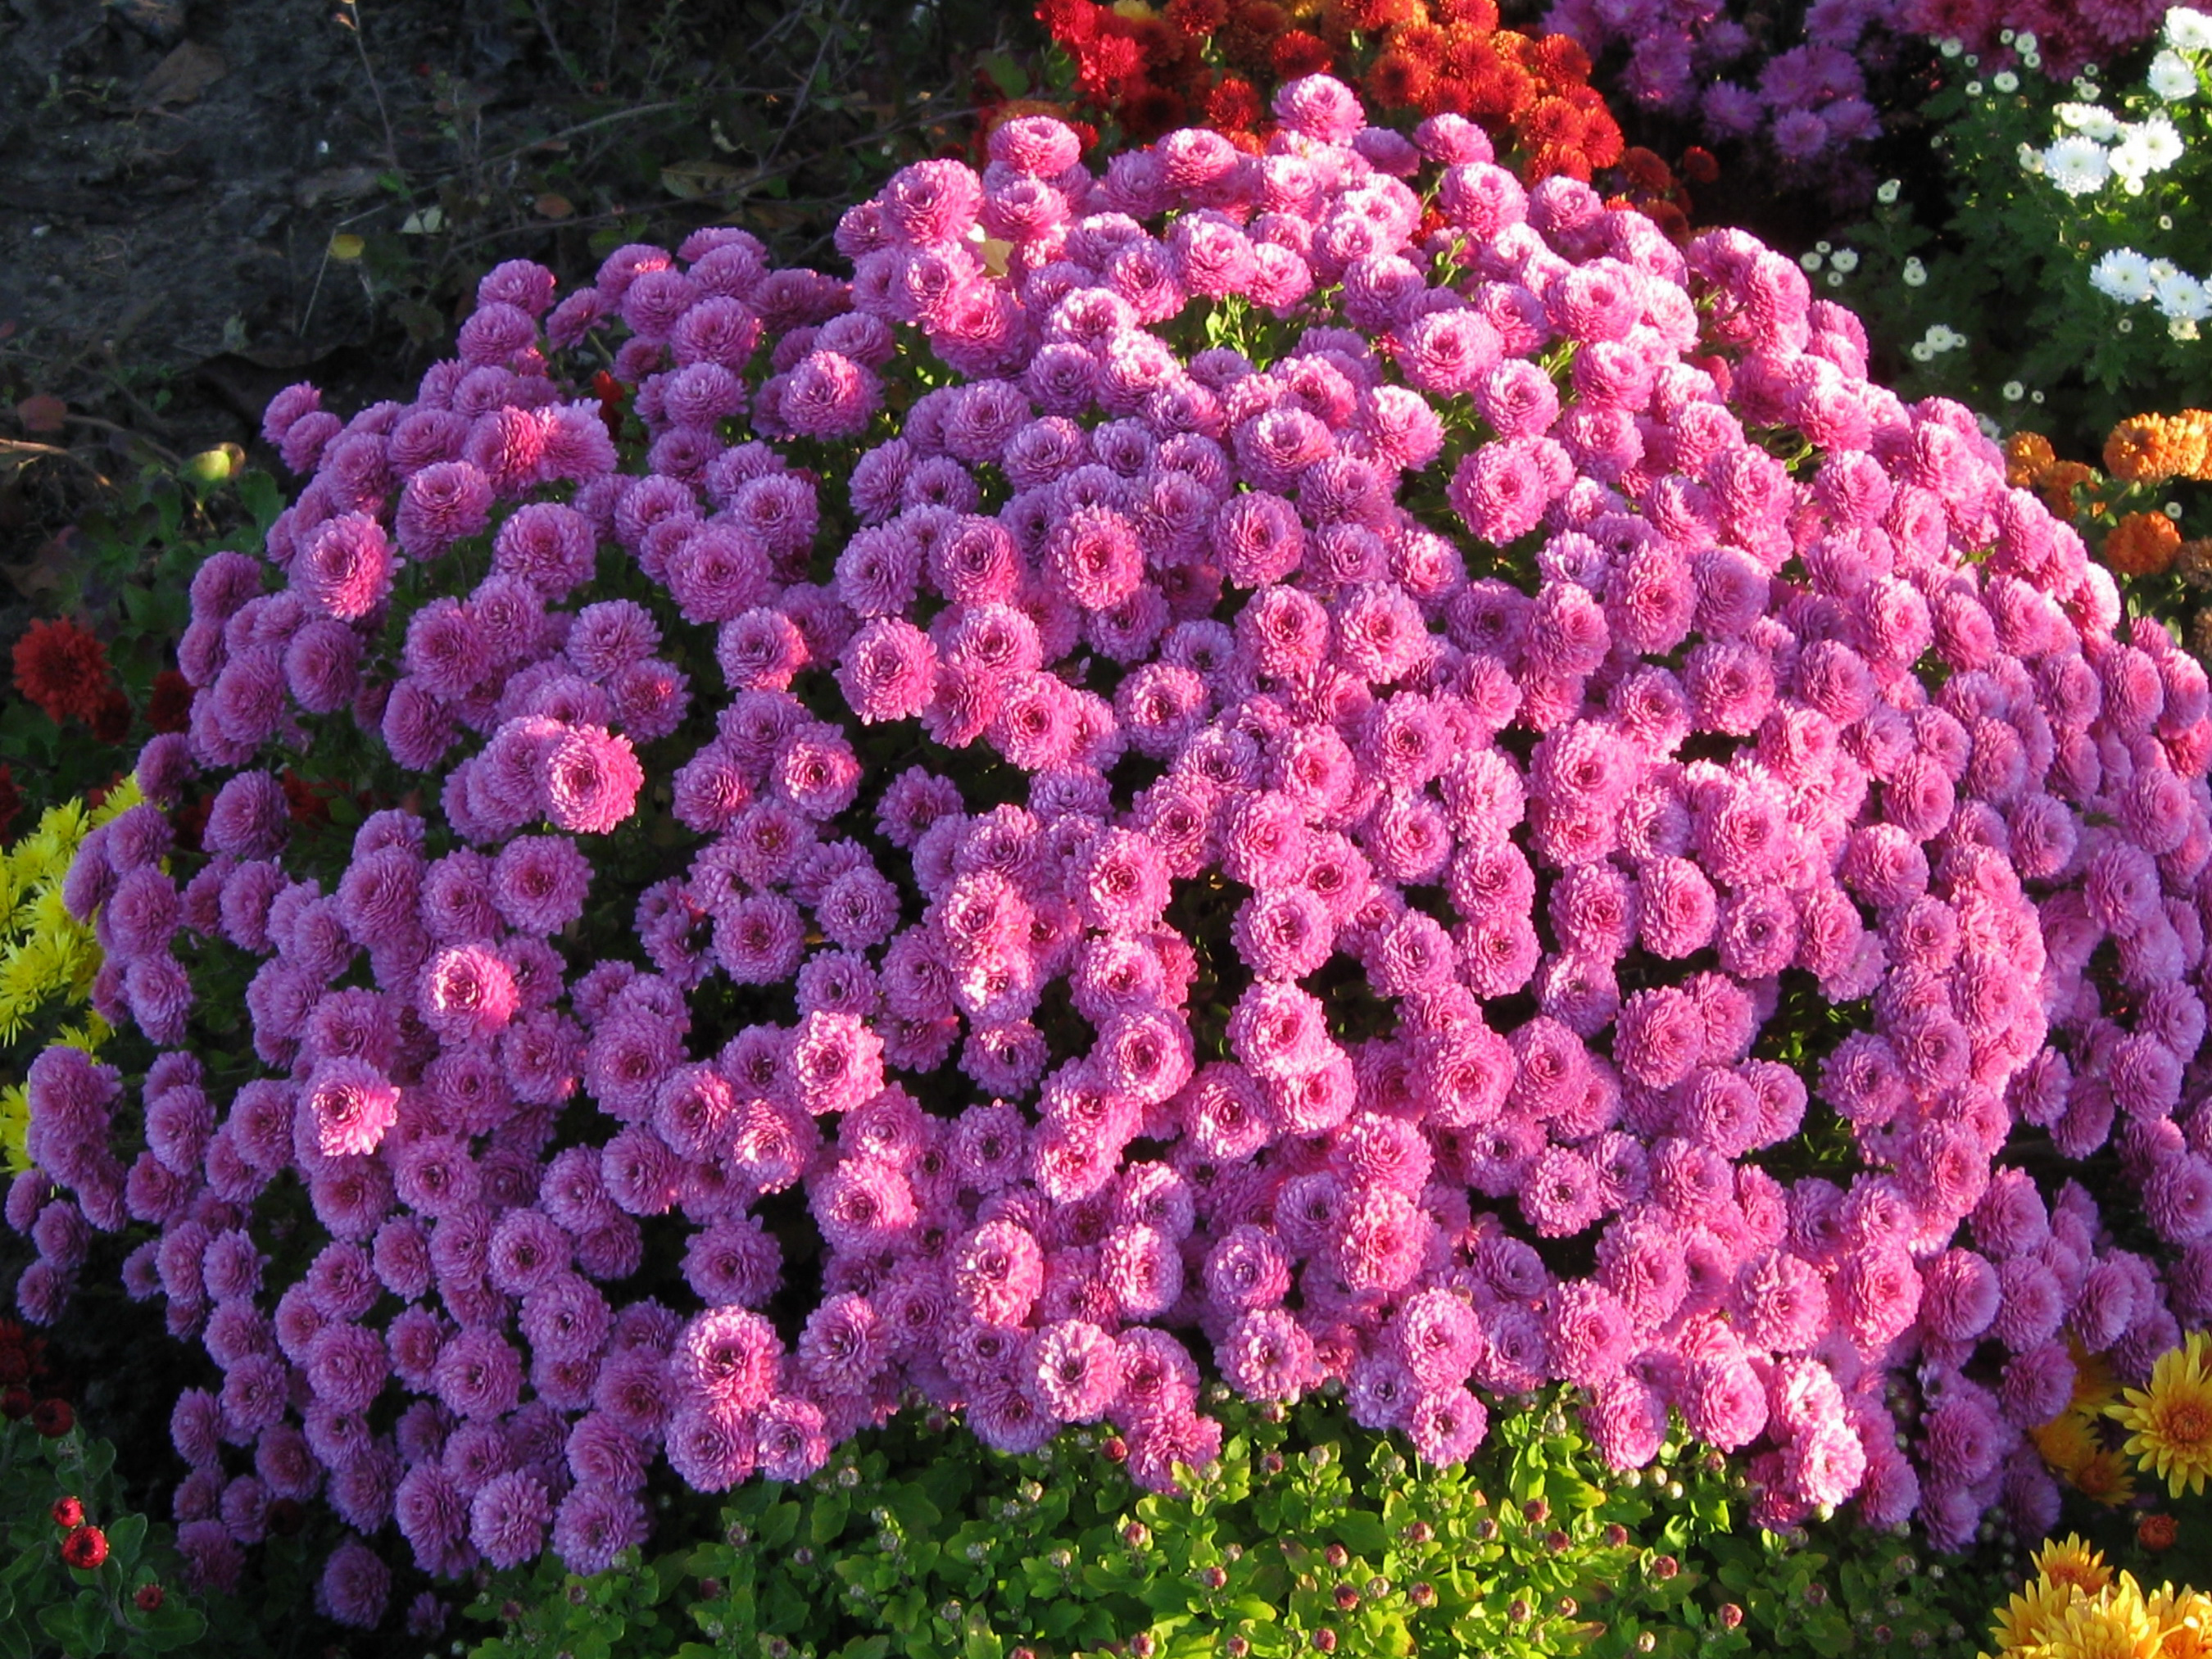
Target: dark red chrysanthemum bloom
62	668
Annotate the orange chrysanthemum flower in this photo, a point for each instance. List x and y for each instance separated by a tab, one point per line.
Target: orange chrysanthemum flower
1478	14
2142	545
1396	80
1373	17
1424	41
2058	483
2139	451
62	668
1560	59
2028	456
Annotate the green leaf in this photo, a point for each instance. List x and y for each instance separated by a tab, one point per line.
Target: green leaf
125	1538
830	1510
1361	1532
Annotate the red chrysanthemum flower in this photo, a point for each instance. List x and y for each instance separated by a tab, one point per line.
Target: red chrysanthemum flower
170	707
1234	106
85	1549
62	668
53	1418
1198	18
1298	53
1149	111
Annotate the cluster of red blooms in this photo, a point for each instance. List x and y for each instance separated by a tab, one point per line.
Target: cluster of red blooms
1218	63
22	1368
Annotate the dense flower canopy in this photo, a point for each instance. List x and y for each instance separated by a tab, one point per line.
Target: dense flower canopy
1227	776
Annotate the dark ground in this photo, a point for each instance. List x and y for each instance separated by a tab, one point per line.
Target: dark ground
172	174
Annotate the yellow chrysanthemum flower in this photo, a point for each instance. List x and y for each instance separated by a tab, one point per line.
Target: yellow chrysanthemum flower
2094	1385
2070	1561
2116	1624
2187	1617
2035	1610
14	1124
2169	1423
2067	1441
2106	1478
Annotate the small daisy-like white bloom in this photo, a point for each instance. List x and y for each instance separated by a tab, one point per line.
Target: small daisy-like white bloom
2005	81
2181	328
1810	261
2123	274
2172	76
1952	48
2031	158
1915	274
2188	29
2014	392
2025	41
2173	509
2077	166
1923	352
1887	192
1846	260
2092	121
1973	88
2031	60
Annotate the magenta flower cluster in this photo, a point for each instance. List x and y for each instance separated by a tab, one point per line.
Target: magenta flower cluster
1806	101
1330	893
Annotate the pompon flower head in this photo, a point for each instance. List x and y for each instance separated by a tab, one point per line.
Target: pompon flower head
1183	669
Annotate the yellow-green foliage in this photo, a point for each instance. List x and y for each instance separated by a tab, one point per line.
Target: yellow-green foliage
47	957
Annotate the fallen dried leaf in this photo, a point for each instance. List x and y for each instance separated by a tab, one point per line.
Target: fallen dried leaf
42	412
346	247
550	206
183	75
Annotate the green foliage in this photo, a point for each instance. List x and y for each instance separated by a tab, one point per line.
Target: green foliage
132	1603
1310	1535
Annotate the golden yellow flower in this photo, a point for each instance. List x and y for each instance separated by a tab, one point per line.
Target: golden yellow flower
2067	1441
2114	1624
2070	1561
2187	1617
2105	1478
2169	1423
2033	1613
2094	1385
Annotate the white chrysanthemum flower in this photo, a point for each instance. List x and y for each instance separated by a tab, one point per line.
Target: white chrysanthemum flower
2172	76
1915	274
2130	159
2005	81
2077	166
2180	295
2024	41
1846	260
2163	145
2092	121
2014	392
1887	192
2122	275
2188	29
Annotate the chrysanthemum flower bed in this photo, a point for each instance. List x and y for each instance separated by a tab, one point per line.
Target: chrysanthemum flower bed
1212	784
